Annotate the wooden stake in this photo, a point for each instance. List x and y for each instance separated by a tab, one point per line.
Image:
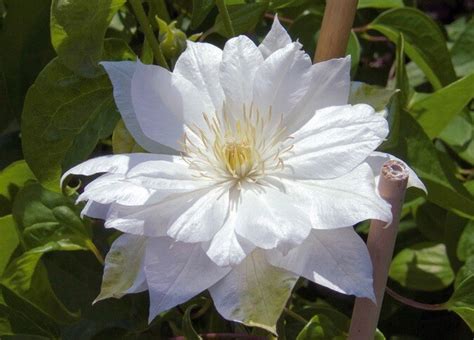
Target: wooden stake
335	29
381	241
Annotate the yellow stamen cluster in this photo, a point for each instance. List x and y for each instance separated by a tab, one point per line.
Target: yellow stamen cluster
230	148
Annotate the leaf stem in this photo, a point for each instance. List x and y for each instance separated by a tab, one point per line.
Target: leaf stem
413	303
225	17
95	251
295	316
149	35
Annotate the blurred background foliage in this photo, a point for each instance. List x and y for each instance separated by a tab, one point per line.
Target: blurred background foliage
57	109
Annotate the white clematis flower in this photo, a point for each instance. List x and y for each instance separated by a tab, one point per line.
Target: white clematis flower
275	168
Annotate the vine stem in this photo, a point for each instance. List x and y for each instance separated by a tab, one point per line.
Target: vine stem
225	17
380	243
413	303
149	35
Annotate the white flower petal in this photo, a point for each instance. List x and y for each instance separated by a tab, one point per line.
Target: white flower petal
120	74
335	141
276	38
202	219
337	259
165	177
329	86
282	81
270	219
228	248
342	201
194	216
377	159
240	60
110	188
164	102
124	268
115	164
95	210
253	293
176	272
199	64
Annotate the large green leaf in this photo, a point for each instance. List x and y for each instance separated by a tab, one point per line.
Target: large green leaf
26	282
46	217
77	32
8	241
12	179
425	43
201	9
24	50
463	50
459	135
423	266
466	242
435	170
462	301
436	110
244	18
65	116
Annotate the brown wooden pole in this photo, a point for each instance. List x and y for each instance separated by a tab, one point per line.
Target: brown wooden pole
335	29
381	241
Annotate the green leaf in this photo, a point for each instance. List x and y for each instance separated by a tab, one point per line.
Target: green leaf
434	169
12	178
26	279
46	217
425	43
9	240
201	9
321	327
25	50
328	324
66	115
423	266
379	3
466	242
401	78
244	18
436	110
462	301
463	50
353	49
459	135
375	96
464	272
77	32
187	325
430	220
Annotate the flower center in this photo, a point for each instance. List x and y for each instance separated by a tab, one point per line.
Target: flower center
241	149
238	158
